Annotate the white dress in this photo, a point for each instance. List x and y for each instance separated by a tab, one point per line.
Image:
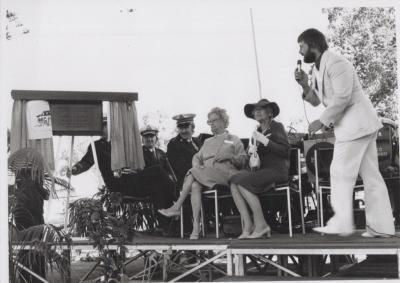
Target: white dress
208	172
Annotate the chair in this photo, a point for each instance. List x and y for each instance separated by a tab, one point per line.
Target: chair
288	187
323	159
142	208
211	193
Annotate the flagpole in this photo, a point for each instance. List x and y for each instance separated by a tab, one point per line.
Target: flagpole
255	53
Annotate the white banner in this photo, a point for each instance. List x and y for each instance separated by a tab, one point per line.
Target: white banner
38	120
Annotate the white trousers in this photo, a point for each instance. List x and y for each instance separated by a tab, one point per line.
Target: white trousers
351	158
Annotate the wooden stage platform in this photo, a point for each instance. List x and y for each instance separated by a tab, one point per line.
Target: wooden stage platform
279	252
233	258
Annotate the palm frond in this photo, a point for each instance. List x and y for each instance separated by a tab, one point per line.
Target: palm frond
30	161
45	233
36	245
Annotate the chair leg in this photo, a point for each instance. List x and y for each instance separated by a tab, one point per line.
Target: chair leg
321	205
303	228
182	232
203	227
216	215
289	211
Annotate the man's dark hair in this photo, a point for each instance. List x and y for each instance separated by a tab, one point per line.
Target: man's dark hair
314	39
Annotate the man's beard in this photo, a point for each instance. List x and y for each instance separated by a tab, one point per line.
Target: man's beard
309	57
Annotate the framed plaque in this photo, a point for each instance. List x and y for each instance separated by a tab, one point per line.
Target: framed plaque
76	118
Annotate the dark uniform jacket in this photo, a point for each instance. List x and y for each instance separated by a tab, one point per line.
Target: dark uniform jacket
156	157
103	152
180	154
153	180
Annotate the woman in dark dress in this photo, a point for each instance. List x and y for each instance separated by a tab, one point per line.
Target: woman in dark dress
272	146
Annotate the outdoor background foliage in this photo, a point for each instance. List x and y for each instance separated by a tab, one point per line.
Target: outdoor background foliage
367	38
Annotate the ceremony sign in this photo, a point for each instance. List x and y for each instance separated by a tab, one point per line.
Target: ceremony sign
38	120
81	118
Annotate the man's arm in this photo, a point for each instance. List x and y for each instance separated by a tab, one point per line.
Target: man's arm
341	76
310	96
309	93
176	159
85	163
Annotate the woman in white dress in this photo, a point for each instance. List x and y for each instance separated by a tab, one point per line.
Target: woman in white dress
220	157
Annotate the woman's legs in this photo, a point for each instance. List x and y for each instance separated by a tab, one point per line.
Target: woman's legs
196	206
242	207
187	186
255	206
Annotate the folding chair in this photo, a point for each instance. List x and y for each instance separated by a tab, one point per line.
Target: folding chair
211	193
294	174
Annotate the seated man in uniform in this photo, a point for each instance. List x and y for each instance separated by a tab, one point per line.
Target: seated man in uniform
180	152
181	148
151	182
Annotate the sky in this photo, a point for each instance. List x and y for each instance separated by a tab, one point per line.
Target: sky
179	56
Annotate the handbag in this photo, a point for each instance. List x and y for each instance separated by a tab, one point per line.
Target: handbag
254	161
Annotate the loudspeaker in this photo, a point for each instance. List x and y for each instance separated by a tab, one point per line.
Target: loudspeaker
384	145
326	144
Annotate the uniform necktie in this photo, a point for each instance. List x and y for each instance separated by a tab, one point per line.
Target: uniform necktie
194	145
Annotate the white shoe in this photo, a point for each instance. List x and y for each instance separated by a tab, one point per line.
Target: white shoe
169	212
330	229
368	234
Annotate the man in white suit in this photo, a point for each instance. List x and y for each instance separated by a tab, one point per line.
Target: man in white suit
335	84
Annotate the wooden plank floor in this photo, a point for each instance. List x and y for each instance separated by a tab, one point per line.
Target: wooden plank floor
281	241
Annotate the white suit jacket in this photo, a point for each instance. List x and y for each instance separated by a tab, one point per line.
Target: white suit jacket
339	89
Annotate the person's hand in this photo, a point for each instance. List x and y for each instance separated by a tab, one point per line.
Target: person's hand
252	149
326	129
301	77
68	172
221	157
117	173
71	171
314	127
260	138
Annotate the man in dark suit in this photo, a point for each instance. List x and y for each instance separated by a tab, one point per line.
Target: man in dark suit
181	148
155	180
180	152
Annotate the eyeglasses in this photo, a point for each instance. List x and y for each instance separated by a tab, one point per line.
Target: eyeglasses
209	122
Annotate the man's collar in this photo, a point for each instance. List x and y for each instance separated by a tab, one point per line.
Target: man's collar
150	148
183	139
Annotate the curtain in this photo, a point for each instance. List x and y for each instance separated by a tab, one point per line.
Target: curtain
126	145
19	135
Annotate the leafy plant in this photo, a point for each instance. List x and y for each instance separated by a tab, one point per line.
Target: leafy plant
36	245
99	219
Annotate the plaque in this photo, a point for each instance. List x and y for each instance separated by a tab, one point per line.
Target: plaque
80	118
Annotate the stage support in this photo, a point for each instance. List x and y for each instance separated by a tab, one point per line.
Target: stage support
66	220
199	266
229	263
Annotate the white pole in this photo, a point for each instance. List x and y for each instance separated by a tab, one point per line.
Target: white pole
50	200
69	184
255	53
96	162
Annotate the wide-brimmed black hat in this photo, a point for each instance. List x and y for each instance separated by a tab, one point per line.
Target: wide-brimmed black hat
249	108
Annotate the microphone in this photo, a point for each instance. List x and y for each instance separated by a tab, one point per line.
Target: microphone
298	65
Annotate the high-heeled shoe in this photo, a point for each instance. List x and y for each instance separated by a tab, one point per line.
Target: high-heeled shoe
244	235
266	232
195	235
169	212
